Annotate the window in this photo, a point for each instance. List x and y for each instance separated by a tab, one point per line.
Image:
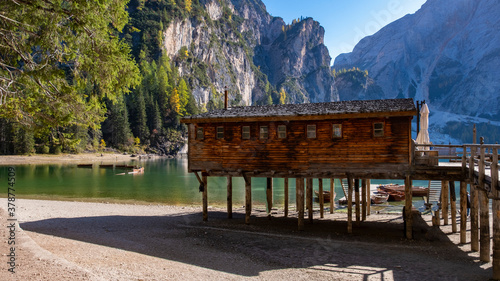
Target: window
264	132
220	132
337	131
245	132
311	131
281	131
378	129
199	134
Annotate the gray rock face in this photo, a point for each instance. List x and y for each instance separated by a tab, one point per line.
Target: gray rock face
447	53
239	45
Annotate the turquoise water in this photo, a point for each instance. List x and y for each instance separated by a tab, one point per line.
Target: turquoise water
163	181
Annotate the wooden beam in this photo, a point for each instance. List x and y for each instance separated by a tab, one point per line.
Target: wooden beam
269	195
309	199
453	206
408	207
474	223
444	201
484	248
368	205
332	195
358	203
286	196
229	197
364	199
496	215
299	189
463	212
205	196
248	198
321	199
349	203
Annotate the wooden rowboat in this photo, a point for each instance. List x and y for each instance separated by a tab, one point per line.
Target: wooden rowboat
84	165
379	198
326	195
417	191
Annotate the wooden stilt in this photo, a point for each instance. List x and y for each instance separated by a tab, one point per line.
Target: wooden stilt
368	197
321	199
204	178
444	201
453	207
299	189
474	223
496	215
286	196
463	212
248	198
269	195
408	206
309	199
358	203
349	204
332	195
229	197
484	246
365	201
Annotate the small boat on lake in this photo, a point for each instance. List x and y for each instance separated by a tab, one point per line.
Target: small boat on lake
417	191
84	165
379	198
326	195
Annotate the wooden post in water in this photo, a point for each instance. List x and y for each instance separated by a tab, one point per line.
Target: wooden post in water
204	178
248	198
496	215
321	197
484	246
453	207
408	206
365	200
309	199
356	194
286	196
229	197
349	204
299	194
269	195
474	224
463	212
332	195
444	201
368	205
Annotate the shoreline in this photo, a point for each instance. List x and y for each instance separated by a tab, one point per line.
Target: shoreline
99	241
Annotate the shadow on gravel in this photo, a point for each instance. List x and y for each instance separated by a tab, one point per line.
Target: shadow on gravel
376	249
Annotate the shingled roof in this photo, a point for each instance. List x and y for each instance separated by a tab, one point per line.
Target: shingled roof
402	106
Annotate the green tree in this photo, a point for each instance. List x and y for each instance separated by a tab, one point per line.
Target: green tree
51	50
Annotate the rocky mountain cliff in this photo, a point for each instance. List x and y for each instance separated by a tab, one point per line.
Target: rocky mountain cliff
239	45
447	53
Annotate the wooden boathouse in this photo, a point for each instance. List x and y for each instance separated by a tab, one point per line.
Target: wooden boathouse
353	140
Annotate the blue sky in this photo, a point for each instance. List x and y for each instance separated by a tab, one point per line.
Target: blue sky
345	22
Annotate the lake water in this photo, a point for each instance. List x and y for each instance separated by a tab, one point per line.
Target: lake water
163	181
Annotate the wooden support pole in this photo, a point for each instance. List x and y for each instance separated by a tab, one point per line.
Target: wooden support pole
349	204
358	203
248	198
204	179
286	196
309	199
368	185
408	206
229	197
332	195
321	198
484	246
299	189
463	212
474	223
453	207
269	195
365	200
496	214
444	201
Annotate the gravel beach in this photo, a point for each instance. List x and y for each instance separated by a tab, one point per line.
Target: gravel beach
61	240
